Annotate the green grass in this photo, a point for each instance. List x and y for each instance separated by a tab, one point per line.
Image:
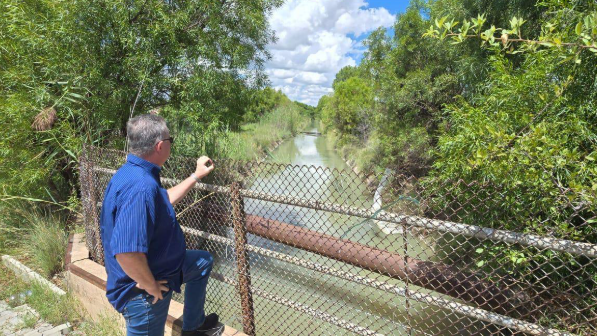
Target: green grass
48	236
105	327
53	308
251	142
29	321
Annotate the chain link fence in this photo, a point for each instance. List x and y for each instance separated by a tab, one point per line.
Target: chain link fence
304	250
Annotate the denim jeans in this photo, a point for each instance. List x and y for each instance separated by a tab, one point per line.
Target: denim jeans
146	319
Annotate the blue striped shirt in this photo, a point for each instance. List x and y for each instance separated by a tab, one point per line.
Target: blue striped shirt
137	216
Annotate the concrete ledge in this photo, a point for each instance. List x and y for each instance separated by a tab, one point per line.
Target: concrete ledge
87	280
29	275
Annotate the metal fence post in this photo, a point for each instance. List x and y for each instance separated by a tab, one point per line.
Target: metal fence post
89	203
85	203
242	260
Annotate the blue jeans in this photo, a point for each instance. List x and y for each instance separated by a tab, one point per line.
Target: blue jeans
146	319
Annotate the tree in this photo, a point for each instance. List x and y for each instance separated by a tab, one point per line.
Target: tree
349	108
264	101
523	149
528	130
96	63
345	73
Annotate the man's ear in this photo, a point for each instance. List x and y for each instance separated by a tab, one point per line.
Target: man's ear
159	146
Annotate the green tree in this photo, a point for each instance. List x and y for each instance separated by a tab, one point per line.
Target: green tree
350	107
528	129
264	101
524	145
413	78
345	73
307	109
84	67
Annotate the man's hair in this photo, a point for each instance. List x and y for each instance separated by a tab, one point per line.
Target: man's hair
143	132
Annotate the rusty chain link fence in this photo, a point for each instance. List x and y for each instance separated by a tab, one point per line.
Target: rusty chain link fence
304	250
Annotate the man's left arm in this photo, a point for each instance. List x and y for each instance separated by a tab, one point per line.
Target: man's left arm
179	191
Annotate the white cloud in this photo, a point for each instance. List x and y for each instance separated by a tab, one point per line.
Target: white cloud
311	78
313	43
282	73
363	21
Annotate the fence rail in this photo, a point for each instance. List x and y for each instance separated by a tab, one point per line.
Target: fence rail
298	251
473	231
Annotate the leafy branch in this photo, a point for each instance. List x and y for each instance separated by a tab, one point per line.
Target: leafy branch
583	37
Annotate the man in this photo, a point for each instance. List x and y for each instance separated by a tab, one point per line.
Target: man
144	248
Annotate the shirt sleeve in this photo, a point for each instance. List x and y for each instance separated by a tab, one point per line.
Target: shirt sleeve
134	223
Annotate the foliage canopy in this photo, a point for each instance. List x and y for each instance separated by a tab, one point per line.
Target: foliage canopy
492	105
96	63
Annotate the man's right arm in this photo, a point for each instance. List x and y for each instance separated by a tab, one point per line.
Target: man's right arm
134	264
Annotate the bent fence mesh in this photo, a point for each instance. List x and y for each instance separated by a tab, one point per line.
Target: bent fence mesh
304	250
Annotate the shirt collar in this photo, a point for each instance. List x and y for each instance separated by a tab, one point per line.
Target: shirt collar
146	165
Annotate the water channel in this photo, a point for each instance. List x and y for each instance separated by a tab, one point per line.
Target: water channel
373	309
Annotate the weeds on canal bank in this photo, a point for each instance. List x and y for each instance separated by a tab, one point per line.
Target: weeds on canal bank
250	143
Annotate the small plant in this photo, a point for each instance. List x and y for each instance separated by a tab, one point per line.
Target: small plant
53	308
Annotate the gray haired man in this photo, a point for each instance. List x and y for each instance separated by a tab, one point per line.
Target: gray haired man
144	247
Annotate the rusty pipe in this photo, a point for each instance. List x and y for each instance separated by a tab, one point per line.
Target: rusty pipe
438	277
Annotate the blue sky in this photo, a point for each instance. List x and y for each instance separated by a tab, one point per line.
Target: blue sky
316	38
394	7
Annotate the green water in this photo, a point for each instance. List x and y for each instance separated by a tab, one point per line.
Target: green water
376	310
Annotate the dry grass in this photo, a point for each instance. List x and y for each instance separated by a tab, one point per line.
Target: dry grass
45	119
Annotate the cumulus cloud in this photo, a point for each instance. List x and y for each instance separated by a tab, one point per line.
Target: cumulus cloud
316	40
